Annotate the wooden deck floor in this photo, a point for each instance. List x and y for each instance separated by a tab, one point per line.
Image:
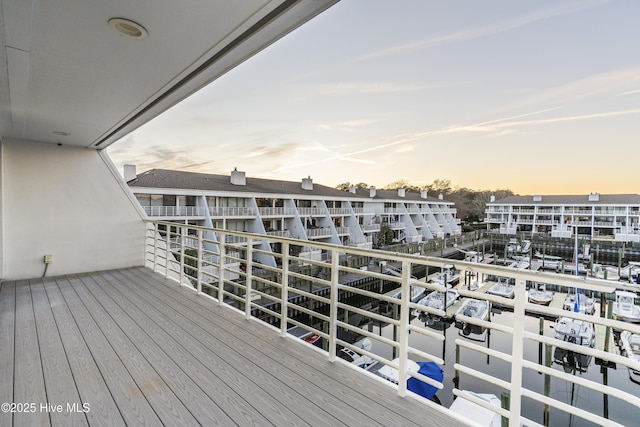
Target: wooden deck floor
136	349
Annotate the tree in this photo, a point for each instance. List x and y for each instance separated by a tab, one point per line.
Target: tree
345	186
385	235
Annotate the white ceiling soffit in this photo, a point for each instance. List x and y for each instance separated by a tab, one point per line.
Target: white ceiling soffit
67	77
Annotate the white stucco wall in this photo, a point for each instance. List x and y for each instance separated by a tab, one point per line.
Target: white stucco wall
65	202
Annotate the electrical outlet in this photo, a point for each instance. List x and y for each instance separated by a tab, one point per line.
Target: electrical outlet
48	259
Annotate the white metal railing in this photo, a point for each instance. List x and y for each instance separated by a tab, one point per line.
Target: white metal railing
318	232
173	211
279	233
270	286
371	227
397	224
231	211
311	211
279	211
342	230
339	211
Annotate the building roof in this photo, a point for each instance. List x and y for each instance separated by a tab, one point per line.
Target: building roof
585	199
172	179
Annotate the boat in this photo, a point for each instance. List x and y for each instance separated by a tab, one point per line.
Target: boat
630	271
606	272
625	307
630	344
578	332
502	288
474	308
449	274
477	414
355	358
417	292
576	301
428	369
538	294
549	261
436	300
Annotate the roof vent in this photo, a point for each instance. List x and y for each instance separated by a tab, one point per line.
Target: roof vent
537	198
238	178
372	191
352	189
307	183
130	173
423	194
594	197
400	192
492	198
440	196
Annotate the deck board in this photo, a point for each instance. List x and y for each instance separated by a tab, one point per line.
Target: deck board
132	403
7	320
143	351
91	387
268	376
59	381
28	384
322	374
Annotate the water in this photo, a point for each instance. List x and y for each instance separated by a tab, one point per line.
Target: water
575	395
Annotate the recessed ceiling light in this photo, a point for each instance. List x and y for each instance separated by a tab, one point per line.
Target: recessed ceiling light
60	133
127	28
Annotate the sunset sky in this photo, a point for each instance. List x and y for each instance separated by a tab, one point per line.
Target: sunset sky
542	97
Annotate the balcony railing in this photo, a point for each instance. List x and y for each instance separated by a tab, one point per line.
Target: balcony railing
233	211
168	211
279	233
342	230
339	211
280	211
283	295
318	232
371	227
397	225
311	212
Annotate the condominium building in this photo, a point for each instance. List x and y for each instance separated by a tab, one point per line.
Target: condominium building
615	216
302	210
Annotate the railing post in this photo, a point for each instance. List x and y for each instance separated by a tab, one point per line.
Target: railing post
155	248
284	304
284	310
248	278
404	328
167	253
333	309
517	353
199	263
222	248
183	235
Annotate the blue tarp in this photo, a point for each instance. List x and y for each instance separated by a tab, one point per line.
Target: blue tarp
428	369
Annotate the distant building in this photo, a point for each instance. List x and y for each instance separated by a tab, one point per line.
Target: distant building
615	216
302	210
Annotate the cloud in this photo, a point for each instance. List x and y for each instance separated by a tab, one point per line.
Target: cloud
565	8
273	151
404	148
346	88
630	92
346	125
606	83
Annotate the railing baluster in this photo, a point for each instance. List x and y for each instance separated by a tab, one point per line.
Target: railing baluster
183	235
199	263
284	310
404	328
248	277
517	352
222	248
333	310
